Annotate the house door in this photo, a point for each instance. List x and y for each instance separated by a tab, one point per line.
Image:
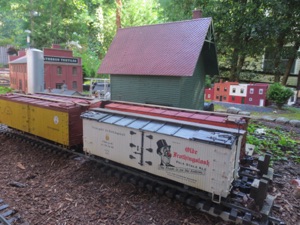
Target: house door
261	102
20	85
221	98
243	100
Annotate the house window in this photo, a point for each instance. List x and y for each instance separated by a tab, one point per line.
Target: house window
59	85
233	98
74	84
250	99
261	91
217	97
74	71
218	88
224	97
59	70
242	91
225	88
251	90
208	96
233	90
293	98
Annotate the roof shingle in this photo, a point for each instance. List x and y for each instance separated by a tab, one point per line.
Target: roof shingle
169	49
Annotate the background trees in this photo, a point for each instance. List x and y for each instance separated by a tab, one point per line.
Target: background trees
244	29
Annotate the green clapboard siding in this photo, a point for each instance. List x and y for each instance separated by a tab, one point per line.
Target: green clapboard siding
182	92
146	89
192	88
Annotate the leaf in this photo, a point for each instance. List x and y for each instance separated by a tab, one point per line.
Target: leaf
20	165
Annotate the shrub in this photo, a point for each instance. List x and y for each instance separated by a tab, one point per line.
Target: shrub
279	94
4	90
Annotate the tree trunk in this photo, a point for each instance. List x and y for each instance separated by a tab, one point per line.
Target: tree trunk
277	72
240	64
276	69
298	89
31	23
118	13
287	71
234	65
290	64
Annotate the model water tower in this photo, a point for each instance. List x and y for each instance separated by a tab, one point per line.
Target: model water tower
35	69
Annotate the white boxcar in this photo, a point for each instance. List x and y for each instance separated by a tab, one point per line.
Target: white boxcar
200	156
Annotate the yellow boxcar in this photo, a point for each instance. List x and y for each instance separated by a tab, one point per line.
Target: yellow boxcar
14	114
52	117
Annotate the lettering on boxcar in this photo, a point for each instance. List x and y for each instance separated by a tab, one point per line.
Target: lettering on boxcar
190	159
115	132
7	110
56	120
198	171
52	128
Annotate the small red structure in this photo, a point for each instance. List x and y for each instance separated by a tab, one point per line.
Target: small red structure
221	90
209	94
60	68
257	94
251	94
237	93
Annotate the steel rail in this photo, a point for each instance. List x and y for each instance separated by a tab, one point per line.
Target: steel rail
3	221
193	197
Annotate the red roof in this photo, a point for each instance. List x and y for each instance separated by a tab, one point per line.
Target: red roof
169	49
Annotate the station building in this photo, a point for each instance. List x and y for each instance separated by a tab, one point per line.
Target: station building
60	68
162	64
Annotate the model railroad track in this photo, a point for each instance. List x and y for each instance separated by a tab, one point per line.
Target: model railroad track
231	209
7	216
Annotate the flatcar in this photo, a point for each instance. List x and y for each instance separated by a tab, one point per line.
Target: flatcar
197	116
196	157
53	117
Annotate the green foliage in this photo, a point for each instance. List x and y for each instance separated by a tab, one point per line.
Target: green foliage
92	23
12	23
4	90
137	13
282	145
279	94
208	81
90	61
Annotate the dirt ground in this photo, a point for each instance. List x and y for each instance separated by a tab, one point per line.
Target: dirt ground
47	188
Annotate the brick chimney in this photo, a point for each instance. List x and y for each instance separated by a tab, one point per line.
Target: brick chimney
197	13
56	46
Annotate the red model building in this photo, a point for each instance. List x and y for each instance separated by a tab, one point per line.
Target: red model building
256	94
221	90
60	67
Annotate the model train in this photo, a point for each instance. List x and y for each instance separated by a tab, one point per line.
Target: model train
192	150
